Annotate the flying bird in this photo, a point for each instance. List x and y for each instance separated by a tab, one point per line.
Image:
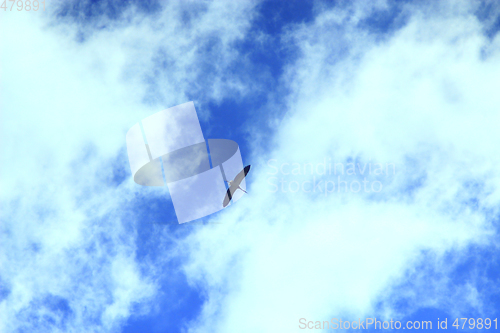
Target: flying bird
235	184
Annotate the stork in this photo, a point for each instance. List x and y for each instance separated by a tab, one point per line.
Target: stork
235	185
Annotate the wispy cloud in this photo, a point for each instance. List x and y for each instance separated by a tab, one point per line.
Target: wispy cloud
421	97
71	88
363	82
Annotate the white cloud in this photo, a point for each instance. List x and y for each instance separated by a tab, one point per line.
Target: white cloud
425	100
66	106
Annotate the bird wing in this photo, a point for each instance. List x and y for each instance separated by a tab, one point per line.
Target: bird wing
235	185
239	177
229	195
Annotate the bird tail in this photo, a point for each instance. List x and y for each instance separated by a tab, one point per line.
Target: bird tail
243	190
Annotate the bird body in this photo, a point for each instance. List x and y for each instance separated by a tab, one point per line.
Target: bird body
235	185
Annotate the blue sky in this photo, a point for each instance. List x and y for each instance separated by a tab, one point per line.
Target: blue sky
295	84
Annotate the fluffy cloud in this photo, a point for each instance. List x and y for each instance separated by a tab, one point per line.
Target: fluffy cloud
421	97
71	88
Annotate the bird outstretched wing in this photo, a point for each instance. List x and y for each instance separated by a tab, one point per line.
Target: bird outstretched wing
229	195
235	184
239	177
